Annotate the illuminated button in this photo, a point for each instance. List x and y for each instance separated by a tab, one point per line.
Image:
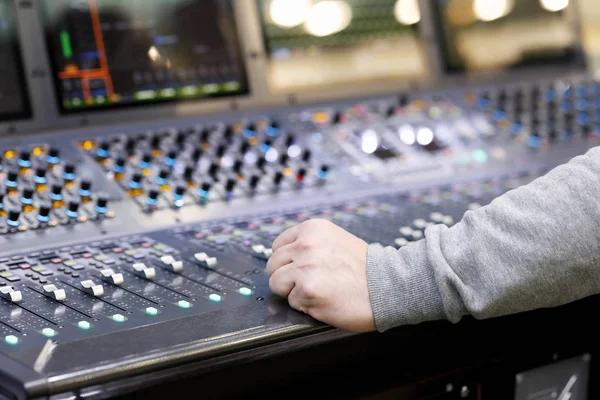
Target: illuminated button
151	311
184	304
118	318
214	297
11	339
245	291
84	325
480	156
48	332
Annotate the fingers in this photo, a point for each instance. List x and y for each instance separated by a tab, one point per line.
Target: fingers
282	281
279	258
287	237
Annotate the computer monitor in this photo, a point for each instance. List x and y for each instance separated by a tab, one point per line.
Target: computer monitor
484	35
14	97
313	45
113	53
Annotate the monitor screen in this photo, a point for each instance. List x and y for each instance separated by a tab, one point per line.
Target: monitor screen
317	44
14	99
484	35
114	53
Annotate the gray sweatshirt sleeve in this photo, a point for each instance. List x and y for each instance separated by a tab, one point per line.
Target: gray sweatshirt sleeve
535	246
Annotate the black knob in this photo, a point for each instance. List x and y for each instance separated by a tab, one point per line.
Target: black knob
155	142
180	139
290	140
228	134
261	163
73	206
213	169
153	194
1	201
104	145
205	135
230	185
301	174
137	177
130	145
69	168
179	191
120	163
205	187
40	174
164	173
25	155
101	202
221	150
251	127
244	147
147	158
283	160
306	155
337	117
56	189
44	210
254	181
278	178
268	142
85	186
403	100
27	194
53	152
237	166
188	173
13	217
12	176
197	154
172	154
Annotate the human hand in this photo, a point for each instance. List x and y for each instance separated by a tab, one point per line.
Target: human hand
322	270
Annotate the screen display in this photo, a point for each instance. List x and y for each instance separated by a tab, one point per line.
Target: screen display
14	100
480	35
315	44
113	53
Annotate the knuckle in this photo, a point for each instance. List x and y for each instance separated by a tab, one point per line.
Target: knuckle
303	244
308	290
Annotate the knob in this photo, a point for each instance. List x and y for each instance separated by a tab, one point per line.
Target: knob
163	176
306	155
136	181
213	169
178	194
44	213
1	201
230	185
69	172
323	171
221	150
24	159
11	179
278	178
101	205
12	219
146	161
130	145
290	140
284	159
301	174
180	139
53	156
155	142
119	166
27	196
40	175
244	147
260	164
85	188
197	154
205	135
56	192
228	134
204	190
237	166
170	158
72	210
152	197
103	150
188	173
254	181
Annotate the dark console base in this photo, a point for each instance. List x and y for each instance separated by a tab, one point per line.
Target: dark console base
434	361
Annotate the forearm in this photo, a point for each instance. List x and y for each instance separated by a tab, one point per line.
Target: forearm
536	246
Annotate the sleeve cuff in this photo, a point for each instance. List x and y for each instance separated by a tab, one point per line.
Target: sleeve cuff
402	286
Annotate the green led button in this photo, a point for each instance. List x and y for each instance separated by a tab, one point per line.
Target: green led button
184	304
48	332
151	311
245	291
101	257
84	325
118	318
38	268
130	252
11	339
70	263
214	297
480	156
